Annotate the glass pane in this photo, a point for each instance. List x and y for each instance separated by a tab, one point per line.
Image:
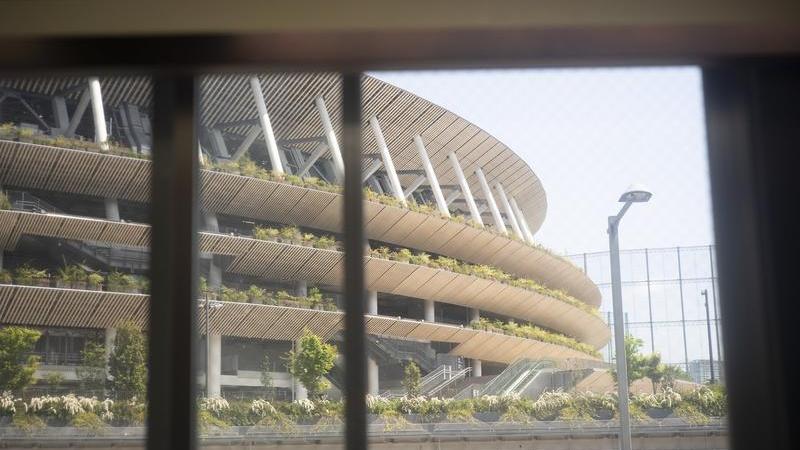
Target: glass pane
271	257
488	197
74	282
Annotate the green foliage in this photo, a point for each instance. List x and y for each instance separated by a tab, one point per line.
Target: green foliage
533	332
5	203
9	131
5	277
88	421
27	275
92	372
128	413
266	375
54	379
28	423
16	371
292	235
95	280
127	363
71	274
412	379
311	362
123	282
206	420
639	365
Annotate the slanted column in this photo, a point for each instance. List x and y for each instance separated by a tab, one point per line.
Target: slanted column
77	115
477	365
462	181
432	179
214	365
60	115
499	225
388	164
100	130
414	185
373	373
509	211
266	125
112	209
330	138
430	312
521	219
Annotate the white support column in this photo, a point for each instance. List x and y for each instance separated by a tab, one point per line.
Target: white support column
370	170
77	115
112	209
453	196
388	164
509	211
110	337
320	149
430	312
499	225
414	185
522	222
462	181
100	130
60	115
431	174
301	288
372	303
300	392
373	373
218	144
244	146
477	366
330	137
266	125
214	365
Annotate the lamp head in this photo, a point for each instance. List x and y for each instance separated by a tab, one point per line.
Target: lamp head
636	193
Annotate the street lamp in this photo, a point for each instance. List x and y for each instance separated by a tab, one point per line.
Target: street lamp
704	293
209	304
635	193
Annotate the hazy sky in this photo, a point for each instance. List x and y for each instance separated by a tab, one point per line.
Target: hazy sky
588	134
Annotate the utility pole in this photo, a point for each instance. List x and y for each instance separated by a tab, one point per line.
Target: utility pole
704	293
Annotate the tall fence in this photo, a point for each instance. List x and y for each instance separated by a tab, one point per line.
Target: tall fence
662	300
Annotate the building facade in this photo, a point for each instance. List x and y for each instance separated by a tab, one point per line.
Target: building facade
456	281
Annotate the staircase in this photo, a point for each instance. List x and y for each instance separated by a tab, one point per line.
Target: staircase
386	350
435	382
517	379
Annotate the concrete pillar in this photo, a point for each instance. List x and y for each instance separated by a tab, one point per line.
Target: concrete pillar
60	115
212	224
244	146
523	224
330	137
112	209
301	288
414	185
100	130
430	312
388	164
499	225
372	303
77	115
214	365
462	181
266	125
512	219
372	376
432	179
110	336
300	392
214	274
477	366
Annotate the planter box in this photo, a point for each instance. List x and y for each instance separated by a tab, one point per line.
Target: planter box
658	413
603	414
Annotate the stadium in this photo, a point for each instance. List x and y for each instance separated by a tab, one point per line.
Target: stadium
457	283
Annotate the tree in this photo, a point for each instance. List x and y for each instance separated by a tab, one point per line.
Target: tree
411	379
311	362
266	375
639	366
127	363
92	373
15	342
673	373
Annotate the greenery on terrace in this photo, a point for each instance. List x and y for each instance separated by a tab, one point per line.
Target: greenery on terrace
75	277
293	235
247	167
533	332
260	296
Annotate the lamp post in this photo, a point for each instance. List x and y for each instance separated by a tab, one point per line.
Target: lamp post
209	304
634	194
704	293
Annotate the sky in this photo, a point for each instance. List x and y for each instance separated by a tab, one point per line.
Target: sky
588	134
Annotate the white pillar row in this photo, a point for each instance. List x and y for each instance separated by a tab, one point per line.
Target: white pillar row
432	179
430	312
521	219
266	125
214	365
100	130
300	392
77	115
499	225
509	211
462	181
330	138
373	373
112	208
388	164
